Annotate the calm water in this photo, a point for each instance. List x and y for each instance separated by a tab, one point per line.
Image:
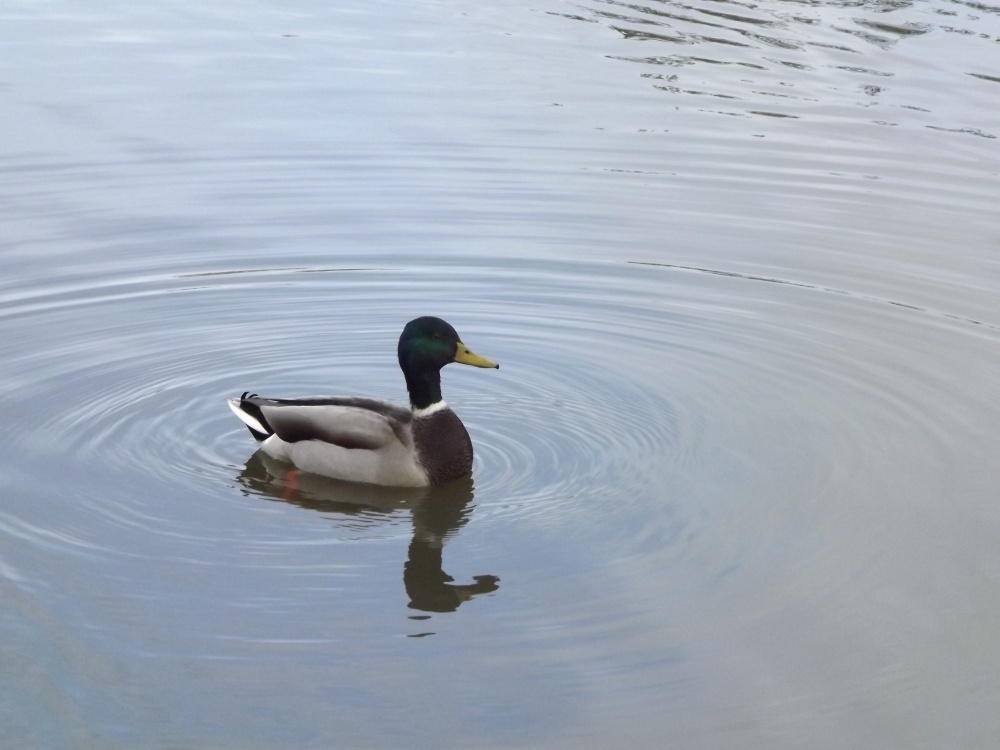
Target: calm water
735	482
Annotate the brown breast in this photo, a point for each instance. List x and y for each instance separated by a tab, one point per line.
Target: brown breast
443	446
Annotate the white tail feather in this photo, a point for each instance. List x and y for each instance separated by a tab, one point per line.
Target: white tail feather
248	419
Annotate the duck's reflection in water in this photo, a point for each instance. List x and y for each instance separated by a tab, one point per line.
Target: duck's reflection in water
437	514
434	520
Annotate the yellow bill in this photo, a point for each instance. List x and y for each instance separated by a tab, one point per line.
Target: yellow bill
465	356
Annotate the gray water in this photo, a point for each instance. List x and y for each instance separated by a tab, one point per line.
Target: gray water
735	481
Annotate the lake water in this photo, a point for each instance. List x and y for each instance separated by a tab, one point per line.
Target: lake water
735	481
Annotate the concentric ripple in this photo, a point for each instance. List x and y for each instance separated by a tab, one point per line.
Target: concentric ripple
631	400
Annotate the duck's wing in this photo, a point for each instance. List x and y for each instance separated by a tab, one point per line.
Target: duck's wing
346	421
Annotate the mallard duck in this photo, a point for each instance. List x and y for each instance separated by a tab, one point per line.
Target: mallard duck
369	440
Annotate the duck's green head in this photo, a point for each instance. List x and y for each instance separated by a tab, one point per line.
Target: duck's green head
428	344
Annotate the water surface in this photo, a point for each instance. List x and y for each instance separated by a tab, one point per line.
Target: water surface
734	482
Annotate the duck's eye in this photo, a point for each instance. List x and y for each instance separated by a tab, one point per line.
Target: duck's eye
437	336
